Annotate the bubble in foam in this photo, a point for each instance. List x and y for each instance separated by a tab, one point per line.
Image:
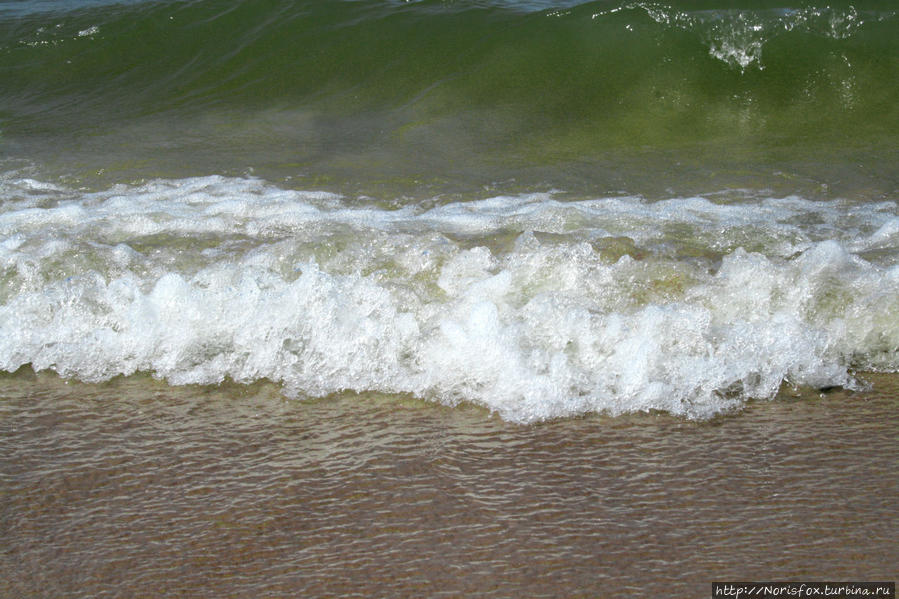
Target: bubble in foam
199	280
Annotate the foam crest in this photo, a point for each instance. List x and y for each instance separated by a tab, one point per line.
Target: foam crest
535	306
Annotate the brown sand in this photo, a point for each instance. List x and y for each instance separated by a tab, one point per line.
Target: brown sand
136	489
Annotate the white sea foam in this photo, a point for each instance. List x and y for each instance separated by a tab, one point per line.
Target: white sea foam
533	305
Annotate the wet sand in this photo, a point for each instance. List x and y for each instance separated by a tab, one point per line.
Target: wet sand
133	488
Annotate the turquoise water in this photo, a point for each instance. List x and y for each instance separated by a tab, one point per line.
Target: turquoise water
547	209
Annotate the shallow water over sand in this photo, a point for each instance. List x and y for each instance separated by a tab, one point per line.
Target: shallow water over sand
134	488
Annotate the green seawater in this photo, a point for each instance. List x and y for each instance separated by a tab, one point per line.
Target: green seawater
434	97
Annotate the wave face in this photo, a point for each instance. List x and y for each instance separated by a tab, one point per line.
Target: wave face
510	81
535	306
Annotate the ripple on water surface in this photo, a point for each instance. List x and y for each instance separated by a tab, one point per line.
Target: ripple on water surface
133	486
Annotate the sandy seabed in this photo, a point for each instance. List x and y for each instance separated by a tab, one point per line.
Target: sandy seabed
133	488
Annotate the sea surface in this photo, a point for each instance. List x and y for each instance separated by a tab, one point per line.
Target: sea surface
542	239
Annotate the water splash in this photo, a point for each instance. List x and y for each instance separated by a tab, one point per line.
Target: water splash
737	37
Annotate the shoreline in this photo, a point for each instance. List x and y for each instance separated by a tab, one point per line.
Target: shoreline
219	492
145	385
